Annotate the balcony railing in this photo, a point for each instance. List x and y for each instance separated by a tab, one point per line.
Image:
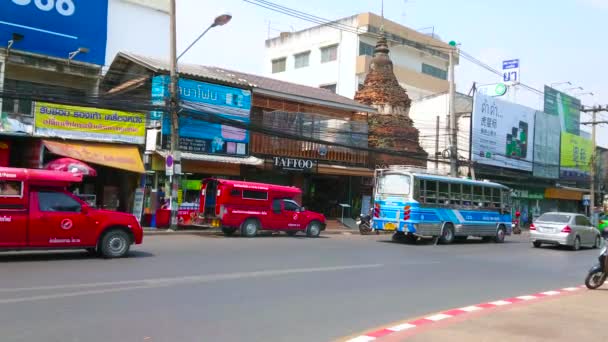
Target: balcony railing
267	145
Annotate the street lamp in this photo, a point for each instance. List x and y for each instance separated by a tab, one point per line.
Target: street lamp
220	20
560	83
586	93
575	88
173	101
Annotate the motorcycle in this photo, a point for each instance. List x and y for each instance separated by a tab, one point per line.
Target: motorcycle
515	226
598	273
364	223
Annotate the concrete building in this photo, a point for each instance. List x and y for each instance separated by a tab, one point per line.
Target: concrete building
54	54
431	117
336	56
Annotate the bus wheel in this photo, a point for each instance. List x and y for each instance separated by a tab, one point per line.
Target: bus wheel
250	228
398	237
500	235
228	231
447	236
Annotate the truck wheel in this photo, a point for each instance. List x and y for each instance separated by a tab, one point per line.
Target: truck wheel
500	235
228	231
313	229
250	228
448	234
115	244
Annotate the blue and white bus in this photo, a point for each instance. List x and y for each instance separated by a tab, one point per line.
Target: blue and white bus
414	204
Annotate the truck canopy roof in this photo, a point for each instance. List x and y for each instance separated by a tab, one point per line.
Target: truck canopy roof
39	177
256	186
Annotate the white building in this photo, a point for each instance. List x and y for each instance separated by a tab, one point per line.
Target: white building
338	60
431	117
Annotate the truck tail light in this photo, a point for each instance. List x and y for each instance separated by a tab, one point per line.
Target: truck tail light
567	229
406	212
377	210
532	227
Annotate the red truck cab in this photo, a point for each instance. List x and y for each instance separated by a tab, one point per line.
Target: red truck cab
38	212
252	207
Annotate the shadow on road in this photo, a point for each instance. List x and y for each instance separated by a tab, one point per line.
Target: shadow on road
60	256
270	235
431	242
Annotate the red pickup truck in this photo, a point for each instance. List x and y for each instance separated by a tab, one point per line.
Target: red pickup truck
38	212
251	207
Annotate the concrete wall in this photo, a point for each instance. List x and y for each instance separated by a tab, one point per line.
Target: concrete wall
138	26
424	113
350	69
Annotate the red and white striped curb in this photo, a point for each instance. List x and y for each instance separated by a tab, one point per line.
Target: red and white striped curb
373	335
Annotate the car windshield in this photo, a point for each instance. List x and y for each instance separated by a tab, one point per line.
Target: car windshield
557	218
394	184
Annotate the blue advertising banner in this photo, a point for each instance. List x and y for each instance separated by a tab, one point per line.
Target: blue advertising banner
198	135
56	27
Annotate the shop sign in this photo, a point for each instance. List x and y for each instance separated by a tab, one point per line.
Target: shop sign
86	123
575	157
503	133
534	194
205	106
294	164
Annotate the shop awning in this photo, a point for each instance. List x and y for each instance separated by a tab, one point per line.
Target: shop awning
124	157
344	170
251	160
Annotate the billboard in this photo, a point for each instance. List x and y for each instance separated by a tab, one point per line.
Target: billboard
566	107
199	102
56	27
74	122
546	146
575	159
502	134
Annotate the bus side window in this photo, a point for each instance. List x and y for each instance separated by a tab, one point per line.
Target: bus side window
495	198
417	190
477	196
443	195
455	193
466	195
487	197
431	191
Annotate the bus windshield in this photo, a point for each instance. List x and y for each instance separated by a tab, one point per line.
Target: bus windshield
395	184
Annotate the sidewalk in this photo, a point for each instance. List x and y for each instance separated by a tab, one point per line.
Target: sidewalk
333	228
578	316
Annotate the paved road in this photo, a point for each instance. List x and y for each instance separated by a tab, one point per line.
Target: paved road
192	288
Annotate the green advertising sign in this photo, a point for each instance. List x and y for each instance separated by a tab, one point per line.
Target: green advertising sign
191	184
568	109
575	156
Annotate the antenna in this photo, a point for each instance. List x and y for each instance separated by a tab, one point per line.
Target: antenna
382	15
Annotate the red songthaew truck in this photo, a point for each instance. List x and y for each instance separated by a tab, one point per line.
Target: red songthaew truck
38	212
251	207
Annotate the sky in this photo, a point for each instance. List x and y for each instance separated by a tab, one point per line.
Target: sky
556	41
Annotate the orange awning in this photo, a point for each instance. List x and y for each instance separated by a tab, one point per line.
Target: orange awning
122	157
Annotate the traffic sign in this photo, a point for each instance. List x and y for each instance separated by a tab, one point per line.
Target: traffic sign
510	71
169	166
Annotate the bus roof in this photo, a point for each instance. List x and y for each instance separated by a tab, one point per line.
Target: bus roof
39	176
451	179
258	186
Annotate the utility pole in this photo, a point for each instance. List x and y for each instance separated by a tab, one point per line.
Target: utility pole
437	144
173	111
452	113
593	123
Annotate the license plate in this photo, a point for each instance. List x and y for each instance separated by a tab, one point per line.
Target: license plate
389	226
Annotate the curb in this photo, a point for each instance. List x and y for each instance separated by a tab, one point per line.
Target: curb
161	232
446	315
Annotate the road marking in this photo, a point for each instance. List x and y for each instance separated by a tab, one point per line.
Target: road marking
500	303
550	293
165	282
402	327
438	317
527	297
470	308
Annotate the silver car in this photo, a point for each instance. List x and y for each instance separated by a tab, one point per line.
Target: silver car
567	229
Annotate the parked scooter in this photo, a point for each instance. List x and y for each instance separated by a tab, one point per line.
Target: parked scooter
364	223
598	273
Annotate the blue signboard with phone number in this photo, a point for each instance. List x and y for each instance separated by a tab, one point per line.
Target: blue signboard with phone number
56	27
